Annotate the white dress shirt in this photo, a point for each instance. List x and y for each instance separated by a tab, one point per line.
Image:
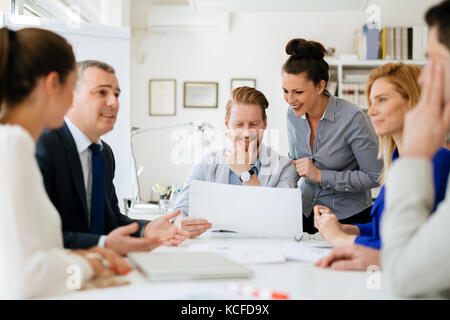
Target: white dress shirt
82	143
416	246
33	261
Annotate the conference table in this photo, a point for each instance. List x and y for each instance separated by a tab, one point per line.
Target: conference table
296	279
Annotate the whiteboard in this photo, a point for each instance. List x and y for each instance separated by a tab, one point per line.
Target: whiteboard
110	44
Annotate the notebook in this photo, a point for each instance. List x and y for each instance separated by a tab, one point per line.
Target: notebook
181	265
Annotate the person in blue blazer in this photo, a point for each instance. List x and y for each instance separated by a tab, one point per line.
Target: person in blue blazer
78	170
393	90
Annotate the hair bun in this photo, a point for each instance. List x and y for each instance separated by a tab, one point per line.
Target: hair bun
301	48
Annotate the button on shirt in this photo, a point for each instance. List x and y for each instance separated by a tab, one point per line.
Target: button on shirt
345	151
82	143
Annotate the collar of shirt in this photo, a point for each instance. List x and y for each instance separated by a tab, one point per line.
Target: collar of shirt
329	110
395	154
81	140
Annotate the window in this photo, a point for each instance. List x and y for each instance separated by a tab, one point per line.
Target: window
76	10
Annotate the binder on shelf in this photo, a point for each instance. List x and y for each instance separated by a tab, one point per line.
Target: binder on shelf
372	41
398	43
390	47
410	43
383	43
404	43
417	43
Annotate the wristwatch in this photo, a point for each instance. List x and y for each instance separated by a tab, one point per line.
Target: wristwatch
246	175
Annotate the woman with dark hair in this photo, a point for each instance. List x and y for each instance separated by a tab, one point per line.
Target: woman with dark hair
37	77
331	141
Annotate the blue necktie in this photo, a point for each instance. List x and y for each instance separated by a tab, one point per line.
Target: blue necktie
98	191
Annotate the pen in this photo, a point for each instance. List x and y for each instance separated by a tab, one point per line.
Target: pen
258	293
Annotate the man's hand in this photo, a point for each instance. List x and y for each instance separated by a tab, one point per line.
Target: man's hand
241	154
305	168
426	124
162	232
195	227
121	241
330	228
351	257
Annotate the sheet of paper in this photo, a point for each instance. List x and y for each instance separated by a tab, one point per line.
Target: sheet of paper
306	251
253	211
244	254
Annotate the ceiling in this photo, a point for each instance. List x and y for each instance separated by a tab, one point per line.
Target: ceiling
277	5
260	5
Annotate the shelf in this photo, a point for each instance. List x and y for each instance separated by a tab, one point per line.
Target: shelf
344	66
370	63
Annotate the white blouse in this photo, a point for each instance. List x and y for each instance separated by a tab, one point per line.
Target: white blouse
33	261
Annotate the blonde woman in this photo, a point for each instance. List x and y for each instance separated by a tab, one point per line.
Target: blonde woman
392	91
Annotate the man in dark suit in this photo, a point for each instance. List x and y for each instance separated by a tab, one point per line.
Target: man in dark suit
78	170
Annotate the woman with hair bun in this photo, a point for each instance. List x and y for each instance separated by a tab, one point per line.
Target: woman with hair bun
331	141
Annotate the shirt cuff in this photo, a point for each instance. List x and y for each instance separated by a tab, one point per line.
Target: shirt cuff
365	229
87	272
101	241
141	234
328	179
370	242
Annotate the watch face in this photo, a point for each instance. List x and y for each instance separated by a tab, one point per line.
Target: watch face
245	176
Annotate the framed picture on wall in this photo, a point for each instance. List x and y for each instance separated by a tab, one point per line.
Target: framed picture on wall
242	82
201	94
162	97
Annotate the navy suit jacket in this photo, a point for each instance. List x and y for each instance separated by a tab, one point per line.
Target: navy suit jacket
60	165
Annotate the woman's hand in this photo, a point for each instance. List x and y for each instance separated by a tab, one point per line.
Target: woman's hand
329	227
104	261
351	257
305	168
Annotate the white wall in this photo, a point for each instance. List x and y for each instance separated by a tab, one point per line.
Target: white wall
5	6
254	48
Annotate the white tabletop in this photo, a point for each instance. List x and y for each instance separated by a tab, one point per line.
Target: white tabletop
300	280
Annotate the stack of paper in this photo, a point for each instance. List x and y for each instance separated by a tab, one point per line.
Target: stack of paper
306	251
244	254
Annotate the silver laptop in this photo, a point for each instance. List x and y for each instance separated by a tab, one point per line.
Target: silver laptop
181	265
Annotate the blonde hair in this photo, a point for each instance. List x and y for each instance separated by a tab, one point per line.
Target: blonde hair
404	78
247	95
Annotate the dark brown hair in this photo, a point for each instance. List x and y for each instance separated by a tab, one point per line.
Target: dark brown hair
25	56
247	95
306	56
439	16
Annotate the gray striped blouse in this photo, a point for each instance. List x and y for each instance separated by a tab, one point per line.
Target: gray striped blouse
345	150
